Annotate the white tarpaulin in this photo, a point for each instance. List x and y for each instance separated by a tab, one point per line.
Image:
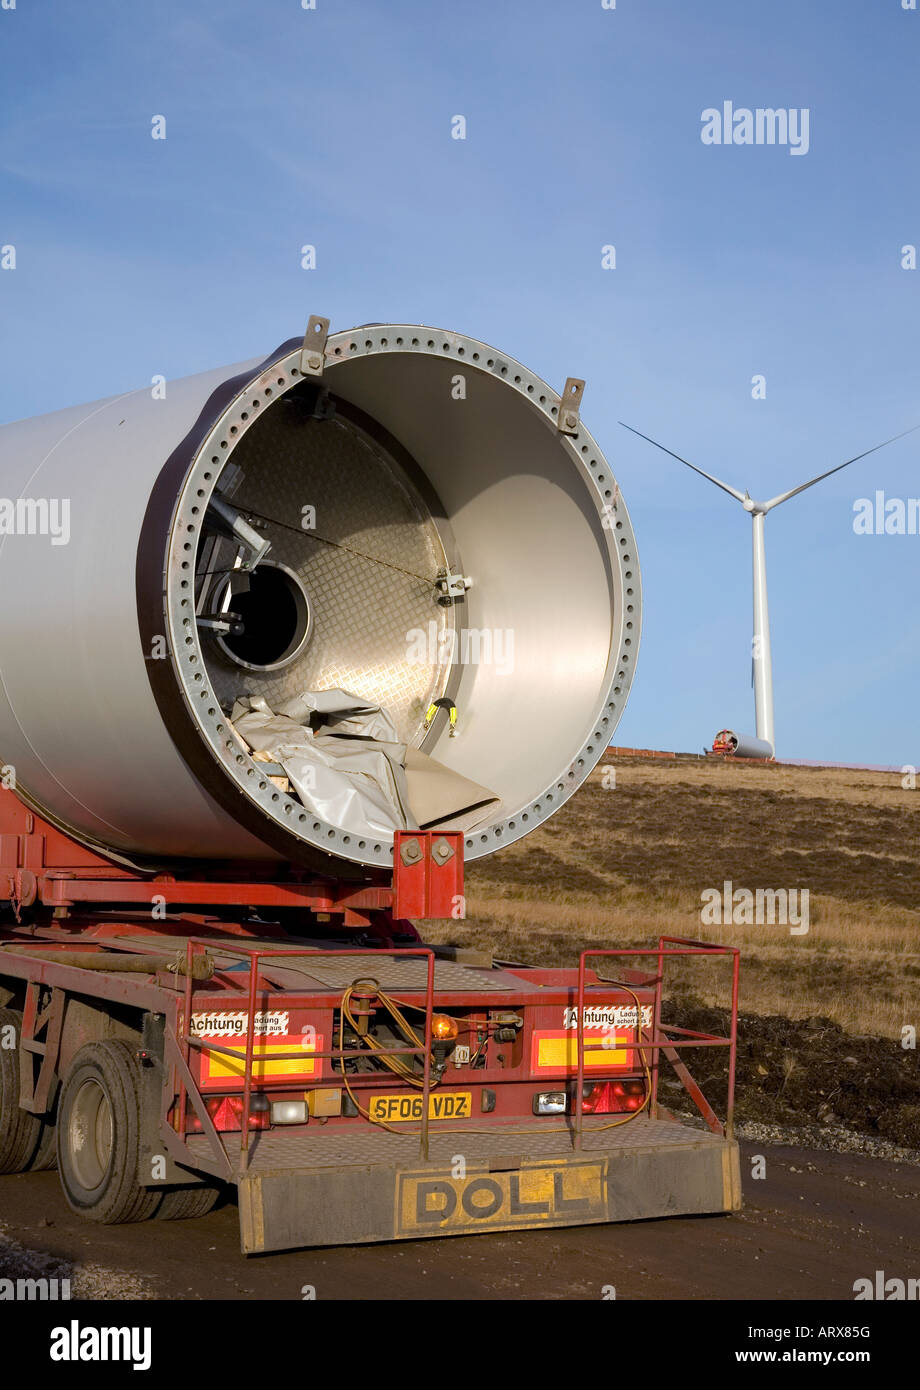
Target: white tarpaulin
345	762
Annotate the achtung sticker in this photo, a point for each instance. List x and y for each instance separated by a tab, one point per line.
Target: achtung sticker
555	1194
235	1025
608	1016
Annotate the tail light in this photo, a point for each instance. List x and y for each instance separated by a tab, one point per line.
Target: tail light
598	1098
227	1114
608	1097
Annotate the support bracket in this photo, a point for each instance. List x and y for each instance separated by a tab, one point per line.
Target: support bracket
427	874
312	354
569	405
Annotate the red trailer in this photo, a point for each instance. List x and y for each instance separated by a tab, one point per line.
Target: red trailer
164	1038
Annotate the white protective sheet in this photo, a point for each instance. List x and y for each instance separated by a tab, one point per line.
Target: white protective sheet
348	767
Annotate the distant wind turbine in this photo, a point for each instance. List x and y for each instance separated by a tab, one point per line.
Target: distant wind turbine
760	646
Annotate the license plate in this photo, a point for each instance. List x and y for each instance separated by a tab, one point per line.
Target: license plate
442	1105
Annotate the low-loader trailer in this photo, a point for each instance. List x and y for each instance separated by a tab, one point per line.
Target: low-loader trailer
352	1084
284	646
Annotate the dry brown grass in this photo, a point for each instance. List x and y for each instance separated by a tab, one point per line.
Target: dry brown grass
616	867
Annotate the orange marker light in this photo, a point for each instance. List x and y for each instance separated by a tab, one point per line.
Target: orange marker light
443	1028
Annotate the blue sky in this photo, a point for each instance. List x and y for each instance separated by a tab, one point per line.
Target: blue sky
331	126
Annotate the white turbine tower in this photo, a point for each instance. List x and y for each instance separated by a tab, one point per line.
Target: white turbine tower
760	645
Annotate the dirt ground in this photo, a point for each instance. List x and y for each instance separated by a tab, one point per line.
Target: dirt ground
810	1073
813	1225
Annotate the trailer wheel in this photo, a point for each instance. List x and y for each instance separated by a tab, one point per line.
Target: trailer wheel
19	1130
186	1203
97	1136
45	1155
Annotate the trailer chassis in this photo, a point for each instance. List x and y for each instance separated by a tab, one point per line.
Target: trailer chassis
81	975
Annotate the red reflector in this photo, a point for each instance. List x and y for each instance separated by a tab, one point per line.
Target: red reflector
612	1097
227	1114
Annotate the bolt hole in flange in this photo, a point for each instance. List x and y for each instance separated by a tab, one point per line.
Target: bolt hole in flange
275	616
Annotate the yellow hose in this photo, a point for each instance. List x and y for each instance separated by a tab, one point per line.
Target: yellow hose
396	1064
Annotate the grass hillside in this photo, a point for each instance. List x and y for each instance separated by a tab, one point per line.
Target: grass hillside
621	863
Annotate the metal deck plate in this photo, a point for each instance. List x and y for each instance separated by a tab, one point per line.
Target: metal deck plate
274	1151
330	973
398	973
336	973
368	567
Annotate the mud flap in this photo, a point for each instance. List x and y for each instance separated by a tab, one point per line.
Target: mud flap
283	1210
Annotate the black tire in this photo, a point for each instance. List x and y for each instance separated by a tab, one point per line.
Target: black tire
187	1203
45	1155
19	1130
98	1133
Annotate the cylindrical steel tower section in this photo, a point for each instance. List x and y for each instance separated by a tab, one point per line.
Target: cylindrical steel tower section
400	516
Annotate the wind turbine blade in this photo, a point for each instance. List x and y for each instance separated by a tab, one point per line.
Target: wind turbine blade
784	496
718	482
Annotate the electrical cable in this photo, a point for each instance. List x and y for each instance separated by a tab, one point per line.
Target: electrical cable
396	1065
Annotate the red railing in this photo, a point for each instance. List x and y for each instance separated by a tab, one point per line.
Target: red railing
661	1040
255	955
